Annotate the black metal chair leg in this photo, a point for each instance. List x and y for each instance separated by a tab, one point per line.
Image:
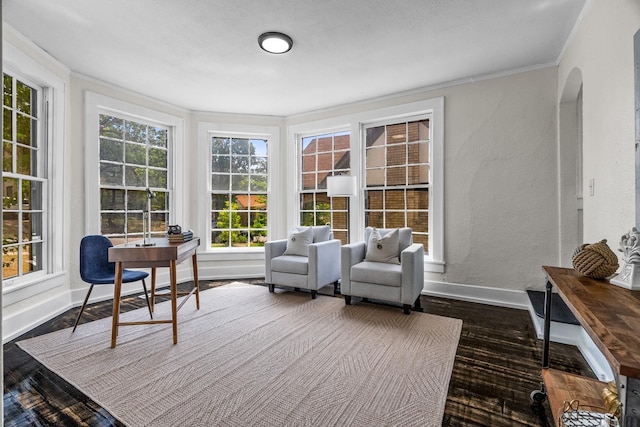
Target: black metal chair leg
75	325
146	295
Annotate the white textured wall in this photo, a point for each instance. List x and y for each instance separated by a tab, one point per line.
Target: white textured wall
500	174
601	48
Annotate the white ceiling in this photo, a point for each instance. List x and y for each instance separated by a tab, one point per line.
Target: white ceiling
203	55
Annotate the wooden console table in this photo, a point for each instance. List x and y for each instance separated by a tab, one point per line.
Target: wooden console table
610	315
161	254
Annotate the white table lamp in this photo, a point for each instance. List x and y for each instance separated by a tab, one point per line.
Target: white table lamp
342	186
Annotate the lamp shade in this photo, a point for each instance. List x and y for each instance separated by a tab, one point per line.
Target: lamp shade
341	185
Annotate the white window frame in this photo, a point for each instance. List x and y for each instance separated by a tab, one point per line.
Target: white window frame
52	112
434	261
205	131
96	104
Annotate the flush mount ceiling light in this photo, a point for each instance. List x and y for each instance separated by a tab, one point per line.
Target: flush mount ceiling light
274	42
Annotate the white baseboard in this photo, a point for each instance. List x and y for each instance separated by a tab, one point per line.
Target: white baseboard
230	272
480	294
560	332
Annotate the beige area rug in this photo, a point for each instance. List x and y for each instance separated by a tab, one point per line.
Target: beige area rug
253	358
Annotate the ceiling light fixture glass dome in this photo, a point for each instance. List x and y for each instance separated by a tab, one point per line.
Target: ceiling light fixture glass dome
274	42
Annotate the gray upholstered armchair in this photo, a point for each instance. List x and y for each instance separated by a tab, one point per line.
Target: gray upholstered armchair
309	258
387	266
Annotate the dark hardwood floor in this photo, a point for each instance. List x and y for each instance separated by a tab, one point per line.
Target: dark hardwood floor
497	365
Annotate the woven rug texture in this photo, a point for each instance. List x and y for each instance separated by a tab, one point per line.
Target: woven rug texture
249	357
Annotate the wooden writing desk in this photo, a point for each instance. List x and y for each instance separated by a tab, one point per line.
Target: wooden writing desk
610	315
162	254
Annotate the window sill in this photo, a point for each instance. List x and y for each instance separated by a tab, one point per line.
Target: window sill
431	266
23	289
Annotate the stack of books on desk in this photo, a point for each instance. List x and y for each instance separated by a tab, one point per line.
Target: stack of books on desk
185	236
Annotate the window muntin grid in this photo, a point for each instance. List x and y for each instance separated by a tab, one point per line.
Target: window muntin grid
239	208
24	179
134	157
398	176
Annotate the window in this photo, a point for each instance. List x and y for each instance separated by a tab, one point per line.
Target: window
399	164
397	174
134	158
24	179
399	169
322	156
238	191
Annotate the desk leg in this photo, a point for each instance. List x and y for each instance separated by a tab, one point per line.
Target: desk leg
117	289
174	300
539	396
547	325
629	400
153	288
195	280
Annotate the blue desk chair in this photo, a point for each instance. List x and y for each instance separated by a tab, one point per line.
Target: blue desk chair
95	268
